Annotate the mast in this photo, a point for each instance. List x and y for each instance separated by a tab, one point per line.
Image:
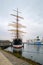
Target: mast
16	24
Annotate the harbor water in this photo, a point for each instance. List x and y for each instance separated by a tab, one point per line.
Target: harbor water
34	52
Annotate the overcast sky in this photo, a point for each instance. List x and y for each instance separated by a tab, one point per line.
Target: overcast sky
32	11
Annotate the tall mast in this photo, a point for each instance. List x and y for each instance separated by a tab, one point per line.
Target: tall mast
17	24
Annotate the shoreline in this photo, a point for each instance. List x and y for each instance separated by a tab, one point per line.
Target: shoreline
22	58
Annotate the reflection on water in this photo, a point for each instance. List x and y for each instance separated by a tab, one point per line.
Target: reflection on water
34	52
17	51
37	48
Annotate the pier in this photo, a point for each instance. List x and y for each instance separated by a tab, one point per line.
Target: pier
5	43
4	60
9	59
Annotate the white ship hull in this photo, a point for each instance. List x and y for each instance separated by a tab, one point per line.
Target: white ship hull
37	42
17	46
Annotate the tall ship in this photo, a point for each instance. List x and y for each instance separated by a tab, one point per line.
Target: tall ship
17	41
